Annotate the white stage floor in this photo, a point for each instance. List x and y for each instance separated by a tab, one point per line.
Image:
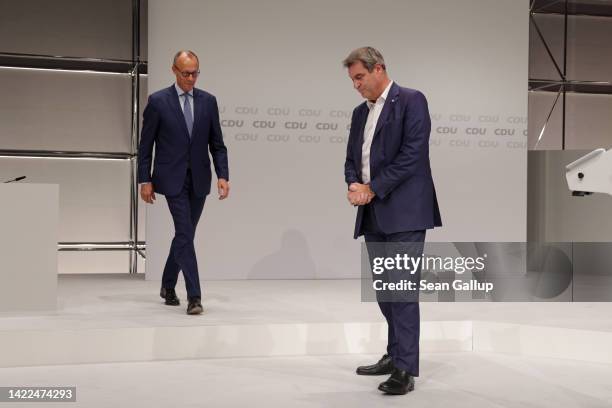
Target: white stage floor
121	300
470	380
120	318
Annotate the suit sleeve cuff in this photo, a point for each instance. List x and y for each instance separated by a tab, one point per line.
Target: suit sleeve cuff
349	182
377	190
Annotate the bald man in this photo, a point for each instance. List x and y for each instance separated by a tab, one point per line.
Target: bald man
181	123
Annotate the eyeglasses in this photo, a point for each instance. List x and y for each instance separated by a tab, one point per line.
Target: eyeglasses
187	74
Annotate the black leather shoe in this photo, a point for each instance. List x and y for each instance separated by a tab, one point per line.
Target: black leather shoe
170	296
400	383
384	366
194	307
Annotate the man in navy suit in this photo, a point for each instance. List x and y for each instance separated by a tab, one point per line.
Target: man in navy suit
182	122
389	178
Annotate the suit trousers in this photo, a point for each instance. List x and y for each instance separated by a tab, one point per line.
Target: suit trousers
403	318
186	208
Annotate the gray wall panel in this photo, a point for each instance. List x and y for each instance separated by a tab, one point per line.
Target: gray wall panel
94	194
144	30
89	262
588	122
540	64
62	110
54	110
93	28
592	272
536	196
589	49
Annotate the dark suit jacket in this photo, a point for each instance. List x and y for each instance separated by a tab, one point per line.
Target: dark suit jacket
164	126
400	173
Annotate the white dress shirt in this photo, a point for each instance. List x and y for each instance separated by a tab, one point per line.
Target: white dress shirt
368	132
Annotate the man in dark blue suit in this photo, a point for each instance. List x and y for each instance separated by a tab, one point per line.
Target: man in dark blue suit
389	178
182	122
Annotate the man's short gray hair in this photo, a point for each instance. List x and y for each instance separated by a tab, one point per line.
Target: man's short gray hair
188	52
369	57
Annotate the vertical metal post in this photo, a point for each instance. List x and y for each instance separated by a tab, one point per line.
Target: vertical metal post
564	75
135	74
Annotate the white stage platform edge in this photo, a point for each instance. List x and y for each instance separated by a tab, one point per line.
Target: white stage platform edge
120	318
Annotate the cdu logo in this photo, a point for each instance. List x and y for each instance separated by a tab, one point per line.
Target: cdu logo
476	131
264	124
309	139
460	118
459	143
326	126
246	110
309	112
340	114
295	125
488	119
435	116
446	130
278	111
504	132
516	120
246	137
338	139
487	143
232	123
277	138
516	145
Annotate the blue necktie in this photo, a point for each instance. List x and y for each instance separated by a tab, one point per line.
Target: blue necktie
187	113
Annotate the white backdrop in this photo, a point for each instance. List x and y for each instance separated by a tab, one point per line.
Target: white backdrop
275	67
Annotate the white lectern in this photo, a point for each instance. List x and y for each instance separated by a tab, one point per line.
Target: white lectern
28	246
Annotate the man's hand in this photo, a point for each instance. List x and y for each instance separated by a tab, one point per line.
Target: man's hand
147	193
360	194
224	188
356	198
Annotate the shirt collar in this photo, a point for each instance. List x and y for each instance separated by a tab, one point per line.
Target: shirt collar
382	98
180	92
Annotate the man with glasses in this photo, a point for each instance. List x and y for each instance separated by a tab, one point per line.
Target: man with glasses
182	123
